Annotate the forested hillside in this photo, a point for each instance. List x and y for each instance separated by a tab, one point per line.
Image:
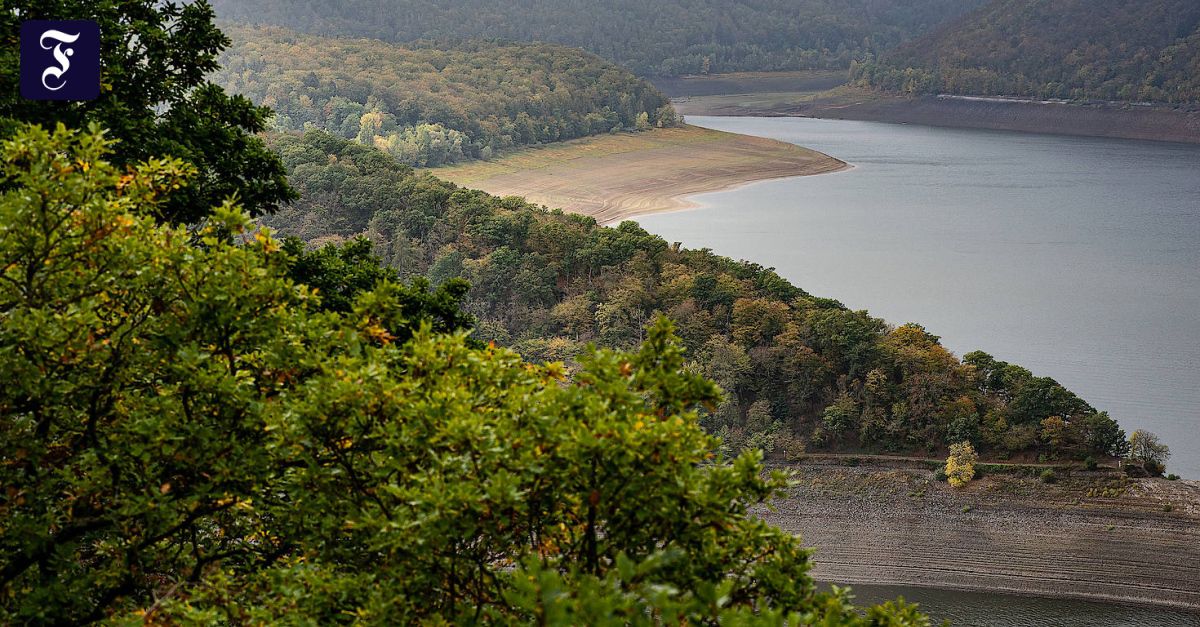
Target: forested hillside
203	425
798	370
651	38
1078	49
427	106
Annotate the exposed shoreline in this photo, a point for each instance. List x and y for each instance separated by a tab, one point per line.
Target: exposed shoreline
622	176
1091	536
1111	120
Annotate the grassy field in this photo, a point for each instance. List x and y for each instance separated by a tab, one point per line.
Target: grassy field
614	177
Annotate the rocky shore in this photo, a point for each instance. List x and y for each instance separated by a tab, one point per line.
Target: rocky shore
1090	535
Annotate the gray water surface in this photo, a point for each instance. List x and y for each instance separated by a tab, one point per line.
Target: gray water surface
980	609
1077	258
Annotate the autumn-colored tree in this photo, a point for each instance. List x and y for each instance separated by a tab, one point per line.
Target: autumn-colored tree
1054	432
960	465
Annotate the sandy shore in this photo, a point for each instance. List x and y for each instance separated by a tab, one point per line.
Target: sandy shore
1091	536
615	177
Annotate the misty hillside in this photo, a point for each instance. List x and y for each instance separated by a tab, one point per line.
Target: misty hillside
1148	50
664	38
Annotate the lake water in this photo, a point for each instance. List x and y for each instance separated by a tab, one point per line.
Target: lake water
978	609
1077	258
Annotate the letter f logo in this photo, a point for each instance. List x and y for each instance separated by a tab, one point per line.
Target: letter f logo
60	60
61	56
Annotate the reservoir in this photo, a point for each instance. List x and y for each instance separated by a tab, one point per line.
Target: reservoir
1077	258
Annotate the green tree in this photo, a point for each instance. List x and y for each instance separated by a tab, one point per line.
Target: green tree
186	433
340	274
156	100
1146	450
1102	434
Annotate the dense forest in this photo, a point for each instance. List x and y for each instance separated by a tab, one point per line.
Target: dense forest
798	370
203	425
1147	51
651	38
427	106
193	436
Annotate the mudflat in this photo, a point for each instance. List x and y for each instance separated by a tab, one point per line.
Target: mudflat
618	176
1092	535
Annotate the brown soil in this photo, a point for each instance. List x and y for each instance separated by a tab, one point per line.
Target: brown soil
614	177
1093	536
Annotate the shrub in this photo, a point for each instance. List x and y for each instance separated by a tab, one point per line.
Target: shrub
960	466
1048	476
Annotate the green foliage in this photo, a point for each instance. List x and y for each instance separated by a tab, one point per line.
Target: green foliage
428	106
1074	49
340	274
189	436
667	38
1147	451
1048	476
156	101
793	368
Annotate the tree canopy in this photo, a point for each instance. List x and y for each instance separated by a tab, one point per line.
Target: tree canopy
155	98
191	436
1146	51
797	370
666	38
425	105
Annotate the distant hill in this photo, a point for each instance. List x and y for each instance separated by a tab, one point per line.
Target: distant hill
429	106
1124	50
666	38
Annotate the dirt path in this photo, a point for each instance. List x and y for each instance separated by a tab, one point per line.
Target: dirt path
615	177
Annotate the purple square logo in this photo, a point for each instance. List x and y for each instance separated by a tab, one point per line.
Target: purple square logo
60	60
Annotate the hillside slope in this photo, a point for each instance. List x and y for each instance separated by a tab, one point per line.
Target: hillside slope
672	37
428	106
1145	51
797	370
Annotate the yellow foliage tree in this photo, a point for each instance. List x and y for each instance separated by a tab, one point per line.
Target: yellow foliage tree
960	466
